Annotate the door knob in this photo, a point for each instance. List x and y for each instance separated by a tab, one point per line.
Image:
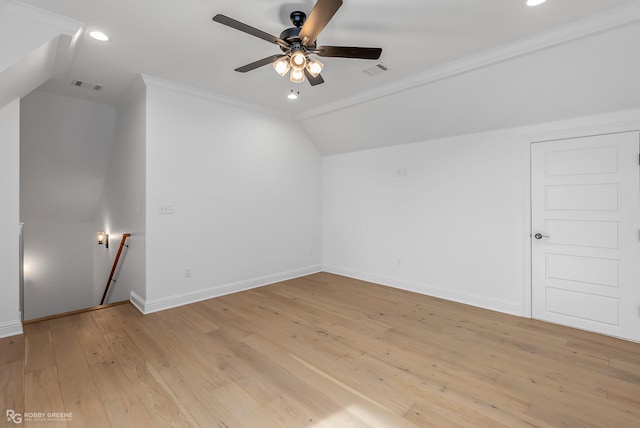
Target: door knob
540	236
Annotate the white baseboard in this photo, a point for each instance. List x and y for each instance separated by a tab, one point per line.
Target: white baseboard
443	293
137	301
11	328
155	305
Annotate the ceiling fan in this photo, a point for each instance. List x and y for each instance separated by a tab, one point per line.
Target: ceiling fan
299	42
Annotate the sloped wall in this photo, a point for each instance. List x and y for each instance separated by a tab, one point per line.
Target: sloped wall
32	42
587	76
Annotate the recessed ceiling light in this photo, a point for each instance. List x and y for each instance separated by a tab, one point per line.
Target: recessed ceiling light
99	35
535	2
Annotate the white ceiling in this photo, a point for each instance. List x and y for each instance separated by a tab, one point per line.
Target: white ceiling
178	41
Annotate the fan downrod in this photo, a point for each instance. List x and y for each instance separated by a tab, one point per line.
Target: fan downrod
298	18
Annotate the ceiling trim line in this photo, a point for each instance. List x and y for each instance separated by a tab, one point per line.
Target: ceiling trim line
614	18
608	123
67	26
209	95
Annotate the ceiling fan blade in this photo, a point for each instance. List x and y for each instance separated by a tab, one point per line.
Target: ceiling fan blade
348	52
318	18
230	22
259	63
313	80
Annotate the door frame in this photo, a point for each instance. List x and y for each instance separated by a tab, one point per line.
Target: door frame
626	121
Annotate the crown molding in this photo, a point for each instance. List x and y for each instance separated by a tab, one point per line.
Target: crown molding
617	17
209	96
608	123
64	25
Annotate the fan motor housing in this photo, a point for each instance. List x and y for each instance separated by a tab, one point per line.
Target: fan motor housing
290	34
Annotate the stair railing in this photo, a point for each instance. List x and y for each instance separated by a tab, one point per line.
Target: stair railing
115	266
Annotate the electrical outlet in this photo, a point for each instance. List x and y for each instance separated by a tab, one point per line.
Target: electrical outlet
187	272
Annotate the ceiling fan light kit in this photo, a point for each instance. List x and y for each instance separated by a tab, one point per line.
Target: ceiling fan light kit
282	66
298	59
314	67
299	42
297	75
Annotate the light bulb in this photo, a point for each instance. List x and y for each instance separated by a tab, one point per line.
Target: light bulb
298	59
282	66
297	75
314	67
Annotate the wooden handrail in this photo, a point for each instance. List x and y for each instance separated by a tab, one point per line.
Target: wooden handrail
115	266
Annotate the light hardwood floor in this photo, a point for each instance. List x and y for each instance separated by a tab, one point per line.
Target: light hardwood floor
319	351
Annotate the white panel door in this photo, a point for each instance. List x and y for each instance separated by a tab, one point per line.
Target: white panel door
585	223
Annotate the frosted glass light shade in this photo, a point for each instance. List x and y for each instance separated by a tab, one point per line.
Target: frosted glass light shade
297	75
314	67
282	66
298	59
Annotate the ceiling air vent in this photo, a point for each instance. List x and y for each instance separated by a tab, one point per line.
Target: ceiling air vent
87	85
375	69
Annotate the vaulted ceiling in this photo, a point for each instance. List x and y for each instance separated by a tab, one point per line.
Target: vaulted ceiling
178	41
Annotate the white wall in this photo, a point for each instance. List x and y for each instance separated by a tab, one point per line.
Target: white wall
65	146
9	218
451	227
65	149
456	226
58	267
245	188
122	204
